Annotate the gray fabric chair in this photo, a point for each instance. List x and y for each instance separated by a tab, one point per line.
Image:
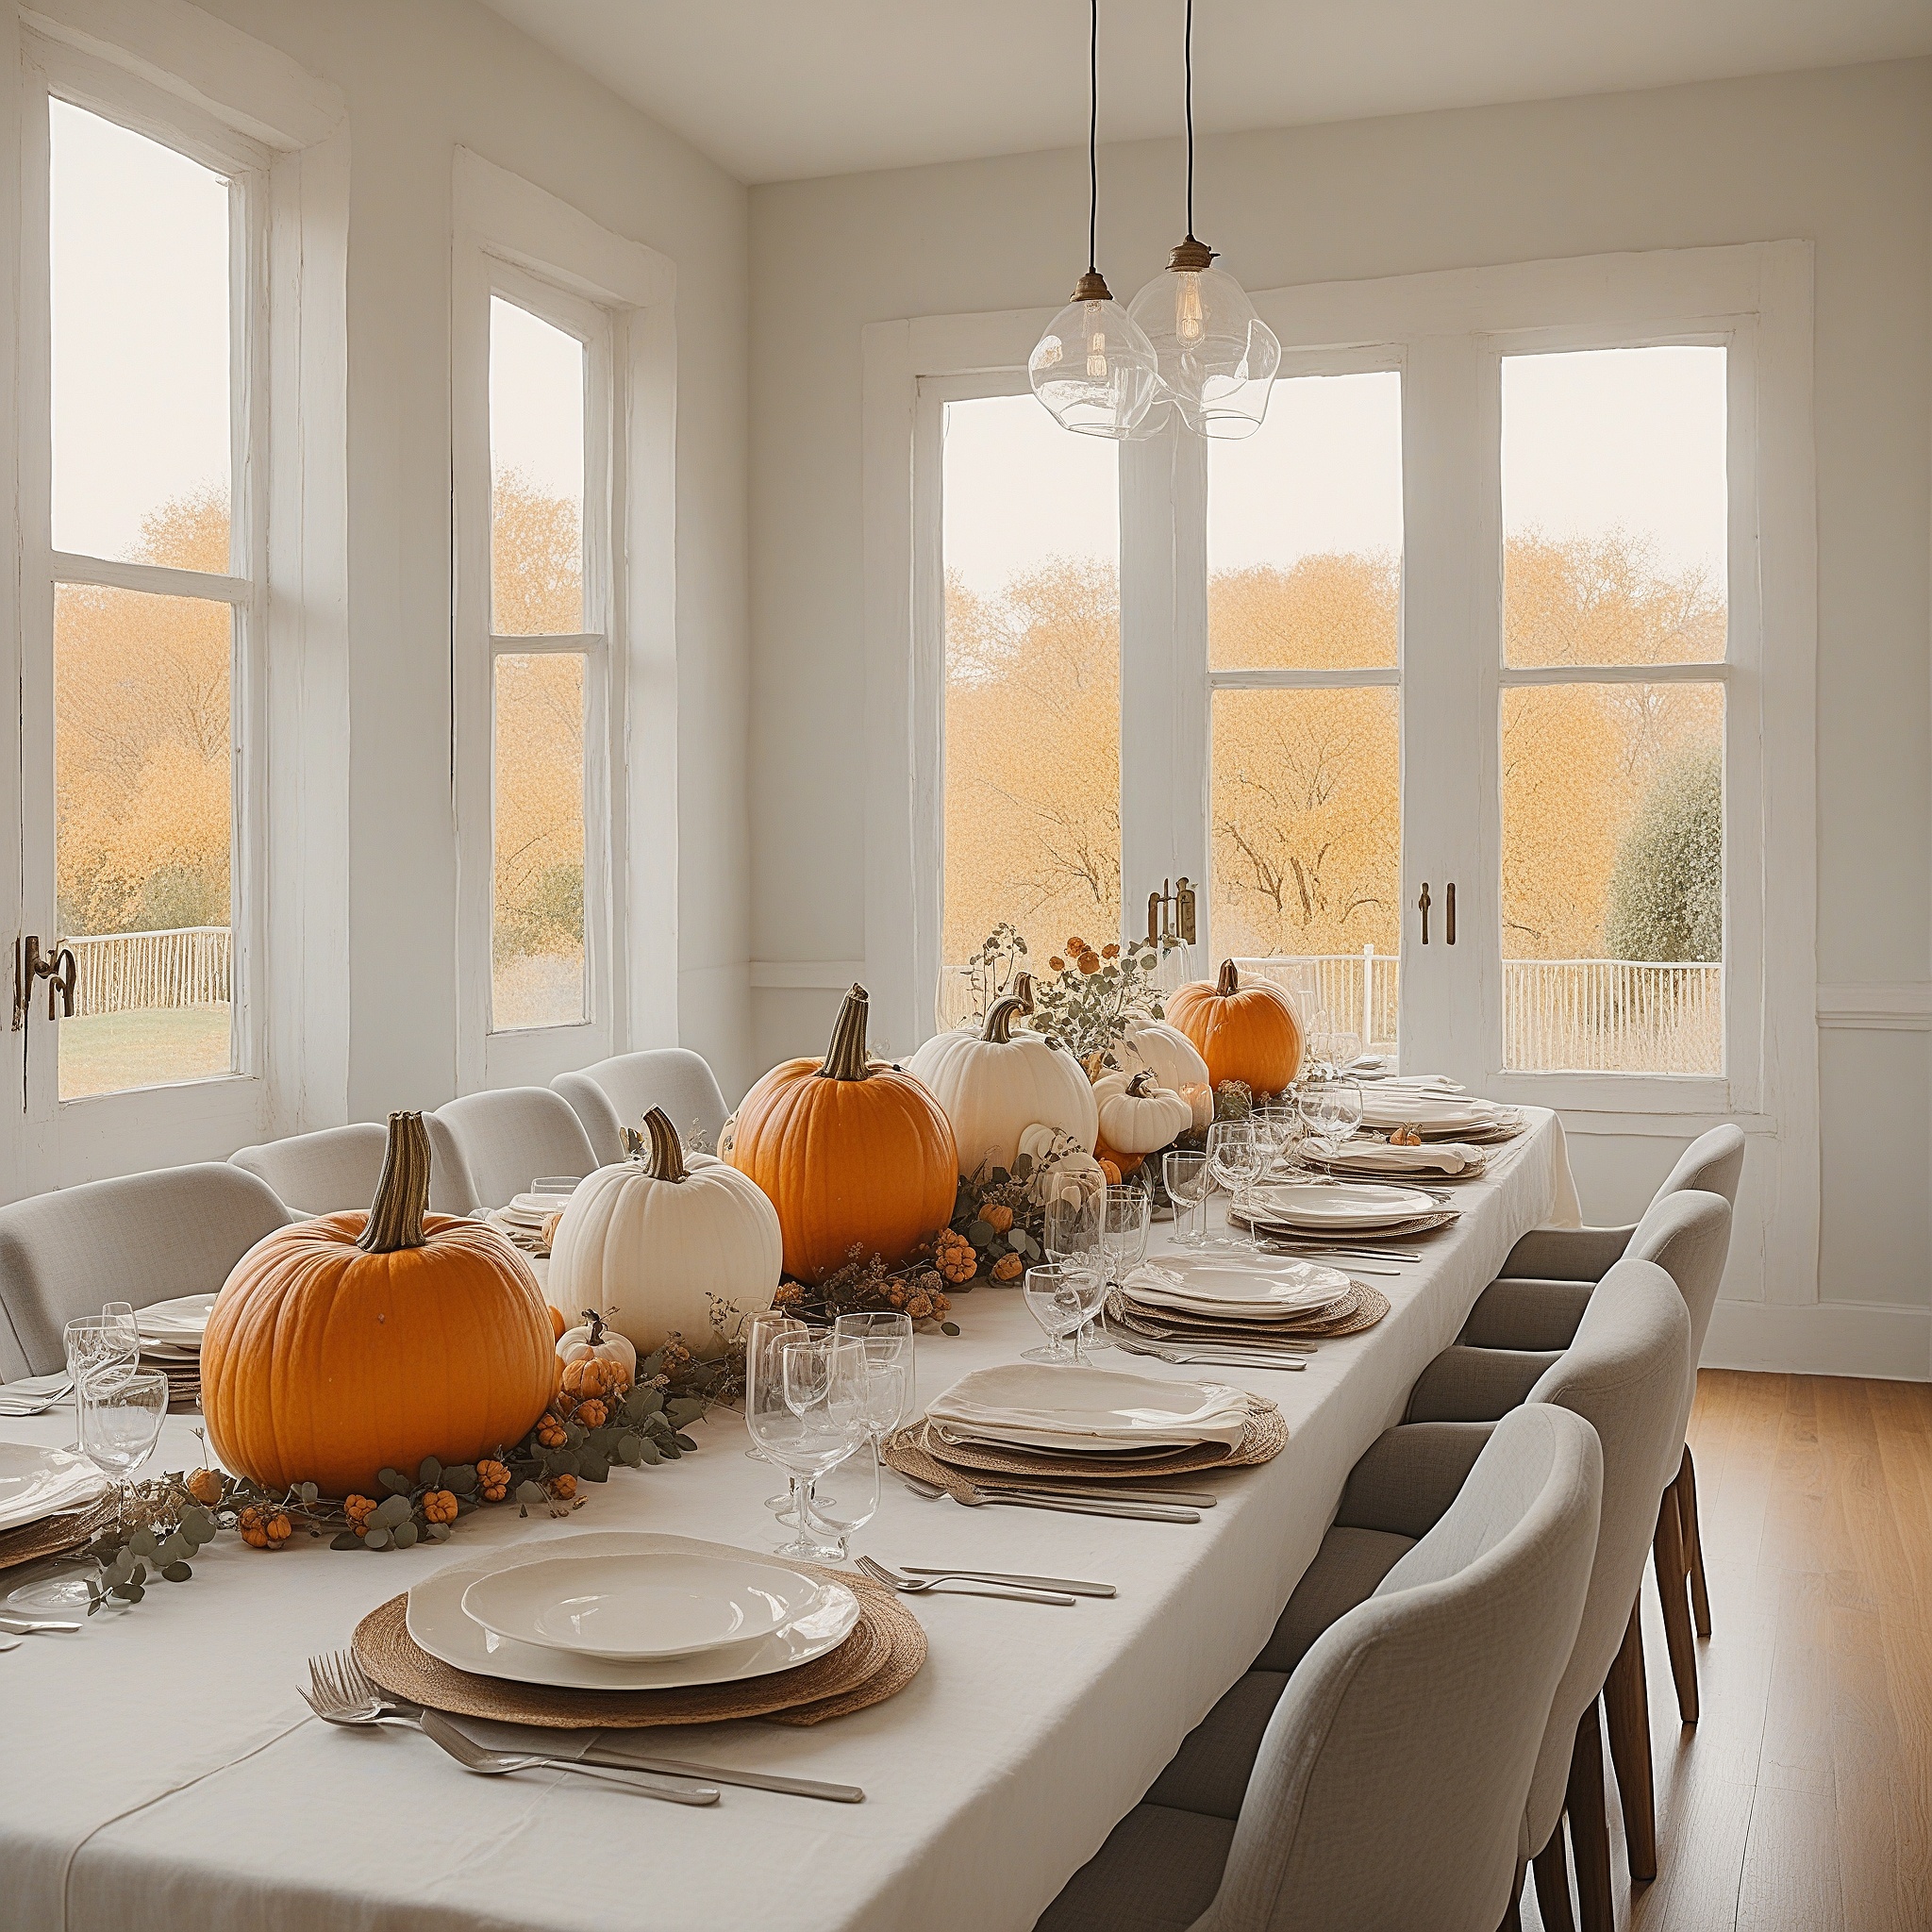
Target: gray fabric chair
506	1138
1381	1784
1686	1233
618	1093
338	1167
147	1238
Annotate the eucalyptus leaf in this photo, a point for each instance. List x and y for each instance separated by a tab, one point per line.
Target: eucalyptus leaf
437	1532
377	1538
143	1543
685	1443
461	1480
403	1536
396	1484
592	1467
529	1492
391	1511
128	1592
648	1451
345	1540
429	1471
1023	1167
949	1328
175	1548
629	1451
307	1491
980	1233
177	1573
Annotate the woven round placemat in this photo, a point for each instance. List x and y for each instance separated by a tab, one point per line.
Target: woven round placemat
55	1536
880	1657
919	1444
1365	1306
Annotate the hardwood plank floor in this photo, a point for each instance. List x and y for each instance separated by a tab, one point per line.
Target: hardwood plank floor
1802	1800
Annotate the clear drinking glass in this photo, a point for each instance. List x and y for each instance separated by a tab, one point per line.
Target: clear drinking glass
1237	1154
1188	1184
1331	1108
108	1340
1126	1214
887	1338
1058	1296
1072	1229
122	1412
802	1411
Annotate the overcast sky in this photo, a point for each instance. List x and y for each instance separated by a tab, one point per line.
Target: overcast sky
1591	441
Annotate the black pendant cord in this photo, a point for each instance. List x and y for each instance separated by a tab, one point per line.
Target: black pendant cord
1094	142
1188	68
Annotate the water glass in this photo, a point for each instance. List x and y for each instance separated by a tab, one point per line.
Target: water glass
1071	1227
886	1337
807	1411
1331	1109
1058	1295
108	1340
1237	1155
1188	1183
122	1412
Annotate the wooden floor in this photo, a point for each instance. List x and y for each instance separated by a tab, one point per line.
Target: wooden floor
1802	1800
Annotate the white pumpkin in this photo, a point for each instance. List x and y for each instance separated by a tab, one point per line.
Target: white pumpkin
649	1240
1165	1052
1061	1167
1136	1116
595	1340
995	1084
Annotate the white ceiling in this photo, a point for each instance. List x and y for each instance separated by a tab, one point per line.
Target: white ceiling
782	90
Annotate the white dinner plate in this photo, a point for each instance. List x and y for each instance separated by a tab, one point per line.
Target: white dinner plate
1216	1288
184	1319
180	1352
537	1206
437	1622
1042	1406
43	1482
630	1608
1327	1205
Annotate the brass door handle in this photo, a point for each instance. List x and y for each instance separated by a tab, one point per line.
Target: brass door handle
1423	906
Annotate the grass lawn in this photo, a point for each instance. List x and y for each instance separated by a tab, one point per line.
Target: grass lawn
147	1047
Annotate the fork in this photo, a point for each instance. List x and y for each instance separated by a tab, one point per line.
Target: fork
913	1586
340	1694
472	1757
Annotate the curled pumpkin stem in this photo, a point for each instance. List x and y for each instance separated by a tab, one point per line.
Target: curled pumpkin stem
664	1153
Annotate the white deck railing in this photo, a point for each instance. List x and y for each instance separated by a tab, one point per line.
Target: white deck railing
183	966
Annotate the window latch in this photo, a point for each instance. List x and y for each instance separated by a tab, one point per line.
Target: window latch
1421	906
59	969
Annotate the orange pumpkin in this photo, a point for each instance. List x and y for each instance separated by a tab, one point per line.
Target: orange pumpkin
851	1152
1115	1163
1244	1032
356	1342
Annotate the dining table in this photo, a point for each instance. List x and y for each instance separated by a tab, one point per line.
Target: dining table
162	1770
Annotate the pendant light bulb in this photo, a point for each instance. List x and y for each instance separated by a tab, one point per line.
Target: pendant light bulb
1094	369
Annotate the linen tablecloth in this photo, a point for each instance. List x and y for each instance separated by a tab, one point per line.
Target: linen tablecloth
161	1769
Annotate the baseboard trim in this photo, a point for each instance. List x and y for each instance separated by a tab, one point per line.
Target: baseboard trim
1867	1338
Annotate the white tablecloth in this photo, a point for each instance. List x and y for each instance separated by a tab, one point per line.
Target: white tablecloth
161	1771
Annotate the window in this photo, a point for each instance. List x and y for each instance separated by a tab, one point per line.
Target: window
154	591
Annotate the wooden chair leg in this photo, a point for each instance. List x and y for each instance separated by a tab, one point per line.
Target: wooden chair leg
1668	1550
1511	1919
1694	1542
1552	1867
1590	1830
1626	1717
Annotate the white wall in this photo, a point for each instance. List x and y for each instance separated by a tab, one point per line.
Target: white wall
1841	158
420	80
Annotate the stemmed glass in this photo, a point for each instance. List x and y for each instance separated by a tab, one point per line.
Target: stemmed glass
1237	1153
892	1376
108	1340
1071	1229
1188	1182
1125	1213
1058	1295
804	1405
1331	1108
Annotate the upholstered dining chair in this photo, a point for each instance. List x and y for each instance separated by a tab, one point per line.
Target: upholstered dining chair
618	1093
506	1138
1507	1342
334	1168
147	1238
1380	1786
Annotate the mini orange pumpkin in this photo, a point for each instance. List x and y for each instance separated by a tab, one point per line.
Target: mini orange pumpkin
1244	1032
852	1154
353	1342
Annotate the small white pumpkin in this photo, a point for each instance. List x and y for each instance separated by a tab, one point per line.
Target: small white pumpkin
1061	1167
651	1239
1136	1116
993	1084
1165	1052
594	1339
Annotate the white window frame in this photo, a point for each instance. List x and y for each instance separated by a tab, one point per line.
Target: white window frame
511	238
1447	332
52	71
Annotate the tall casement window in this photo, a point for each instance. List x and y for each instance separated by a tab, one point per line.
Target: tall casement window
562	643
143	599
1454	690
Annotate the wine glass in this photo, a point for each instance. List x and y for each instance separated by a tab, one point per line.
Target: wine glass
1331	1106
1188	1183
886	1337
122	1412
1237	1154
793	1415
1058	1296
862	1402
1279	1124
1071	1227
108	1340
1125	1213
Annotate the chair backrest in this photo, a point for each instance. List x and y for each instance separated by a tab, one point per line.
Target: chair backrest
599	1119
672	1077
1623	1373
147	1238
1687	1234
508	1137
1390	1786
1710	1165
334	1168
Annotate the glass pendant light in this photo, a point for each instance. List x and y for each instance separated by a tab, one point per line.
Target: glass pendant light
1217	358
1094	368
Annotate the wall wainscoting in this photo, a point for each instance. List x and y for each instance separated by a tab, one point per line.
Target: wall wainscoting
1896	1006
1868	1339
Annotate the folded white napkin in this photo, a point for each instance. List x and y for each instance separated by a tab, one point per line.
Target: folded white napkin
1378	1157
31	1392
1059	1409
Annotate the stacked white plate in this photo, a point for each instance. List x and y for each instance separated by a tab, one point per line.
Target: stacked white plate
623	1610
173	1331
1432	1112
532	1211
1082	1411
1342	1207
1365	1159
43	1482
1239	1292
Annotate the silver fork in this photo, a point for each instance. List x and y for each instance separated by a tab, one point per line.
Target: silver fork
439	1730
912	1586
341	1694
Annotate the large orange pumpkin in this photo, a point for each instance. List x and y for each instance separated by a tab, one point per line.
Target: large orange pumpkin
852	1154
1244	1032
356	1342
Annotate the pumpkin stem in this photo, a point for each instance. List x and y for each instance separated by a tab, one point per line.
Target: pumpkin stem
594	1323
1141	1085
1022	990
846	1058
1230	981
402	1194
664	1160
1000	1017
